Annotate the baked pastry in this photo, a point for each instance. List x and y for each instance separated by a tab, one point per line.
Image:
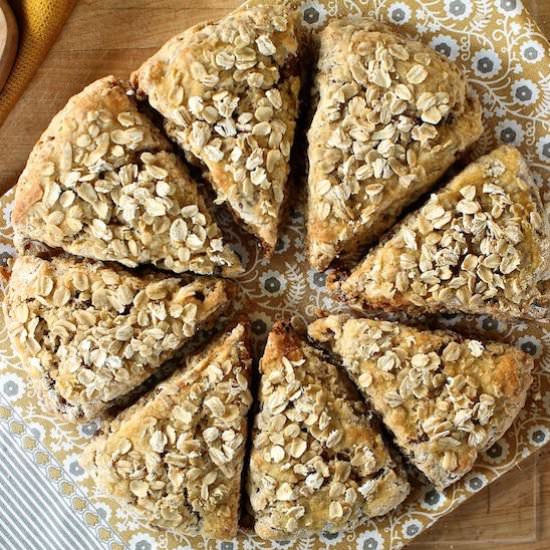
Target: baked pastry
480	245
392	115
102	183
229	94
176	456
444	398
318	462
89	333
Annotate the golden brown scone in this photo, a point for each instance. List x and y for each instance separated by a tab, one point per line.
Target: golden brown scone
102	183
480	245
318	462
89	334
229	94
392	116
444	398
177	455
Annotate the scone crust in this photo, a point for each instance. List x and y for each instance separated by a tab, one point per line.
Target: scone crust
499	268
102	183
310	417
392	116
189	436
90	333
228	91
444	398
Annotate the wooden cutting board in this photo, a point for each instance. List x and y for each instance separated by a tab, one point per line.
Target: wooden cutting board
105	37
8	41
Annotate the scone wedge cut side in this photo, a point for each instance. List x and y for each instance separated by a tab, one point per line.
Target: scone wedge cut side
228	91
102	183
444	398
177	455
89	334
392	115
480	245
318	461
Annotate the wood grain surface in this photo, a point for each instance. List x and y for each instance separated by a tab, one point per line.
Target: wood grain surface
107	37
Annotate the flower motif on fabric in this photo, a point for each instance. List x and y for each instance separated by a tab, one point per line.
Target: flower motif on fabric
399	13
458	9
525	92
12	386
532	51
142	541
509	7
370	540
432	499
543	148
73	467
509	131
498	452
272	283
314	14
445	45
316	280
486	63
411	528
475	482
531	345
539	435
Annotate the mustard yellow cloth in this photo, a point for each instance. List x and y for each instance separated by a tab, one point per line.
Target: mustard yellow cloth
39	22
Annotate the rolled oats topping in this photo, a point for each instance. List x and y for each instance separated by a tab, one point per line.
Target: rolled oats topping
229	94
318	462
89	334
446	400
102	183
480	245
392	116
172	457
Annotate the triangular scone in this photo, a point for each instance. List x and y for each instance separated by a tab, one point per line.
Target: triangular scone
444	398
89	333
102	183
480	245
392	116
229	94
318	462
177	455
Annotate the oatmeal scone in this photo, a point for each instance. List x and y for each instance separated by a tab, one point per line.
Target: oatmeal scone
480	245
102	183
392	115
177	455
444	398
228	91
318	461
89	333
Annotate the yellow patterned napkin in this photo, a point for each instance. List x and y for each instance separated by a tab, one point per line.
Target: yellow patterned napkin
40	21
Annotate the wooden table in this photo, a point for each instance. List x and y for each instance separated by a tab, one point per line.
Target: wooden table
105	37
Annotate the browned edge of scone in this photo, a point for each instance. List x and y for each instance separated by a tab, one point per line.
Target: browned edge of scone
516	381
293	67
222	294
288	342
215	528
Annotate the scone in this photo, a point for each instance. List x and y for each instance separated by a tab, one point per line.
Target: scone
102	183
480	245
89	333
177	455
392	115
444	398
318	462
229	94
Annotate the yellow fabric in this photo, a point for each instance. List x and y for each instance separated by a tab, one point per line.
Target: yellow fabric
39	21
